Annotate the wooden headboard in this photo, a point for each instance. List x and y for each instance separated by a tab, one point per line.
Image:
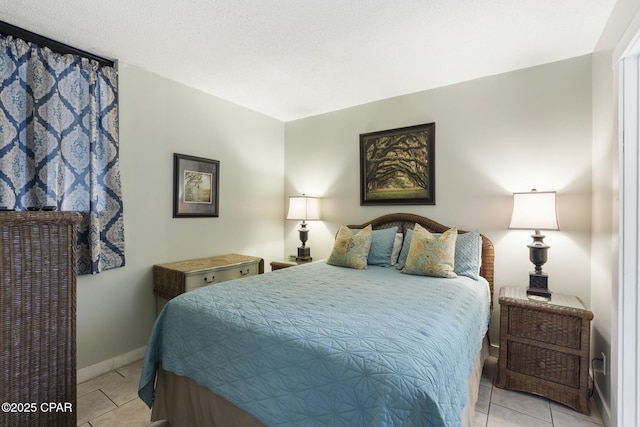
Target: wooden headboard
405	221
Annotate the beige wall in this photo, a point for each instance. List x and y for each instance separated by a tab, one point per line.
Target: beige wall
494	136
158	117
604	239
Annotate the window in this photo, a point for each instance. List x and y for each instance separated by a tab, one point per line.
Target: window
59	144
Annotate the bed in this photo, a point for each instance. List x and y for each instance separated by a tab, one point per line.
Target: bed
325	344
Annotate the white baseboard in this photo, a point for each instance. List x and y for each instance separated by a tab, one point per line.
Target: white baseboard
494	350
603	407
105	366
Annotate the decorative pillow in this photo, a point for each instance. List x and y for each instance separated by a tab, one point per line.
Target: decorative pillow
431	256
468	253
406	244
397	246
351	250
381	246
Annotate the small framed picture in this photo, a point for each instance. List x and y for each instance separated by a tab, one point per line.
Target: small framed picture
195	186
397	166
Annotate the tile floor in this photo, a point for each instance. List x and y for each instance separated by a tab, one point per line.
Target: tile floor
112	400
500	408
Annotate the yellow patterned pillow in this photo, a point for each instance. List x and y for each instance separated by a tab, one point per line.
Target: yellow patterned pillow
351	250
429	256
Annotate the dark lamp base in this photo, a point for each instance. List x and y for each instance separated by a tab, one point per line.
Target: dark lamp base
538	285
304	253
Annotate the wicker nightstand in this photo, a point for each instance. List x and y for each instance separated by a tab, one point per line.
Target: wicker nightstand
285	263
544	347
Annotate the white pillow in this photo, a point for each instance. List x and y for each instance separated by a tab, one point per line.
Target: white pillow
397	247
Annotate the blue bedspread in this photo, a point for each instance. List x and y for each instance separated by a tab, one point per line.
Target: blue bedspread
325	345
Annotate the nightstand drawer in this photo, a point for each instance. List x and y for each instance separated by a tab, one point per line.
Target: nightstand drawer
210	277
545	327
548	365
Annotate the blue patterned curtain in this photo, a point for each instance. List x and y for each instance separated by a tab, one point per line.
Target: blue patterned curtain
59	144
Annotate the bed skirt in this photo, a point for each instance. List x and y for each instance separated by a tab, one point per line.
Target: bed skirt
185	403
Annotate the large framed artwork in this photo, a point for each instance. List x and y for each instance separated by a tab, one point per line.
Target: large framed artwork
397	166
195	186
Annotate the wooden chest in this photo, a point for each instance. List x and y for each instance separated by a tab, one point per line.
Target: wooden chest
174	278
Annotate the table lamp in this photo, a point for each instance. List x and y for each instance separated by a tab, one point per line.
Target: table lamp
536	210
303	208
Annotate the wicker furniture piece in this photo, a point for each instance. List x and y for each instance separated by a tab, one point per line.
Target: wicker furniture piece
544	347
38	318
175	278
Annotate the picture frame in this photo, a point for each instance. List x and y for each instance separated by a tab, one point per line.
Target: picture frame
397	166
196	186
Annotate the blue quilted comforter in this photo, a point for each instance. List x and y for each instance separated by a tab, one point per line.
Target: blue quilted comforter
325	345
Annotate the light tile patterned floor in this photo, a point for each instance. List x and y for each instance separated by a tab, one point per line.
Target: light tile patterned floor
111	400
500	408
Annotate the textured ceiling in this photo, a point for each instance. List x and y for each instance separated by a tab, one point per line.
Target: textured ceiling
290	59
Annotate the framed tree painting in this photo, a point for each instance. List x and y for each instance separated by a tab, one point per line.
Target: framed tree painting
397	166
195	186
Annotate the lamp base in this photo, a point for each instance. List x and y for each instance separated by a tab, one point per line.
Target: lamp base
304	254
538	283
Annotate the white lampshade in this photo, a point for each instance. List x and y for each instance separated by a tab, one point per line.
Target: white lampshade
303	207
534	210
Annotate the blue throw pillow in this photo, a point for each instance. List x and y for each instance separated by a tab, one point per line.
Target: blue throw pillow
404	252
468	254
381	246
